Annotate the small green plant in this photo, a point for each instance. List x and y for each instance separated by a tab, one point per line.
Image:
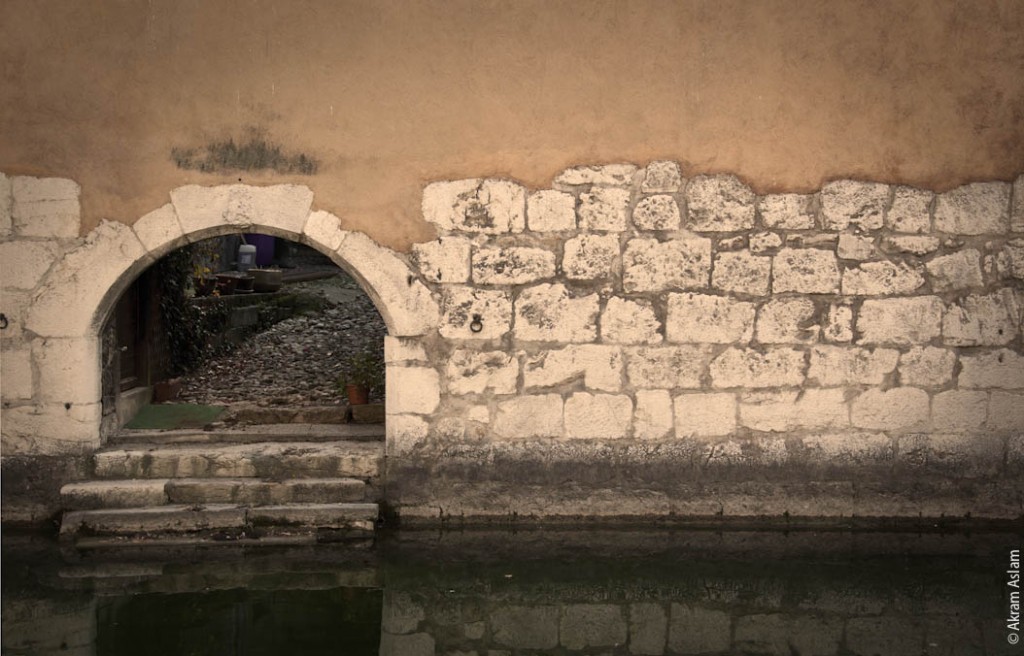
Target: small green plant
364	368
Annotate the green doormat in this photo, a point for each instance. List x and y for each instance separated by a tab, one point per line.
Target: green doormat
169	416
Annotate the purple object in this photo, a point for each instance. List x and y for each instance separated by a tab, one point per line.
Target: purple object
264	248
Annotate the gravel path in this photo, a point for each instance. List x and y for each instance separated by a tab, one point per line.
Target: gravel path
297	361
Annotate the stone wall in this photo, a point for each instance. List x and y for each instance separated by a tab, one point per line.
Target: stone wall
631	342
628	343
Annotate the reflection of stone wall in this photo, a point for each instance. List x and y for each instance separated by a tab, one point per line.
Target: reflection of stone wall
632	342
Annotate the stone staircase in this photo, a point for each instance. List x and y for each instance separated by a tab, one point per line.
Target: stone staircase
269	484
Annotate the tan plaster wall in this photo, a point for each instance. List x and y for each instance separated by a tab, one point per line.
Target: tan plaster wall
391	95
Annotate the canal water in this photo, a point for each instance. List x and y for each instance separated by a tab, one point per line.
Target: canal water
502	593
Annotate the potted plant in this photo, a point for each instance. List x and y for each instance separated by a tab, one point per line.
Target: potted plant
362	375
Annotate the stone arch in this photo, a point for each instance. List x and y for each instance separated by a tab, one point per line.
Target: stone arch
67	312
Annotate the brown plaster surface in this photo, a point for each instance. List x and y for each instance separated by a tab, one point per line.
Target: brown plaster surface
389	95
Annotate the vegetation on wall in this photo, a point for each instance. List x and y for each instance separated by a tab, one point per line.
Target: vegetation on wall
190	327
254	153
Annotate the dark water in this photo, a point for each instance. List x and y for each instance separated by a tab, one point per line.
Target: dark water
500	593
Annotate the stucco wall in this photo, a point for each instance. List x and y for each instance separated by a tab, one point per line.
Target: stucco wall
388	96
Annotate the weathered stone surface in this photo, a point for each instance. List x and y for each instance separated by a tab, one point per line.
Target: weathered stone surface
883	635
704	414
775	367
850	202
604	209
1002	369
652	419
927	366
24	263
667	367
474	372
661	177
918	245
974	209
742	273
805	270
626	321
67	304
838	326
787	321
114	494
607	175
878	278
909	211
648	629
656	213
790	410
160	232
444	260
592	625
550	211
1013	252
414	390
16	307
676	264
512	266
529	416
782	634
900	320
849	448
833	366
6	199
597	416
854	247
1017	213
1006	412
591	257
405	433
960	270
787	211
487	206
702	318
959	410
45	207
761	242
696	630
66	369
525	627
230	207
734	243
897	409
600	367
16	374
990	320
719	203
50	429
460	305
322	228
549	313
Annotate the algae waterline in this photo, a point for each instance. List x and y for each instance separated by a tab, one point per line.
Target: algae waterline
534	591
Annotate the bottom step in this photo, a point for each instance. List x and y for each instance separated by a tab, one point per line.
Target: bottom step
224	521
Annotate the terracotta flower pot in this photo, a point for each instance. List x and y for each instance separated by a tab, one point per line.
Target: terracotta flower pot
357	394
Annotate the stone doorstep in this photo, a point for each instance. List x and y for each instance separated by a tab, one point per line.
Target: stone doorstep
188	519
259	460
109	494
256	433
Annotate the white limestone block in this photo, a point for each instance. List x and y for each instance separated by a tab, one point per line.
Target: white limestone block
719	203
805	270
549	313
23	263
974	209
659	212
598	416
512	265
591	257
927	366
461	306
957	411
662	177
880	278
1002	369
604	209
45	207
323	229
982	320
851	202
909	212
787	321
605	175
444	260
775	367
702	318
901	321
412	390
676	264
239	208
600	367
897	409
652	418
741	272
960	270
485	206
840	366
551	211
787	211
529	416
476	372
159	231
704	415
667	367
625	321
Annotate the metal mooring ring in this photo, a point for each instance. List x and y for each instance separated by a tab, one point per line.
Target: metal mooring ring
477	324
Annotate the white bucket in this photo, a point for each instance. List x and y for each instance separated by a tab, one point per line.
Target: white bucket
246	257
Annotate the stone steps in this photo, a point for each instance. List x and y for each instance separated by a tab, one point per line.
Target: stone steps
268	460
250	491
136	493
255	433
222	521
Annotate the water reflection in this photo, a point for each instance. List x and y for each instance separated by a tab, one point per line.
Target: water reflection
534	592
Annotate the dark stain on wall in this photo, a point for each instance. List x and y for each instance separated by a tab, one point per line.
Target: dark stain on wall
255	152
